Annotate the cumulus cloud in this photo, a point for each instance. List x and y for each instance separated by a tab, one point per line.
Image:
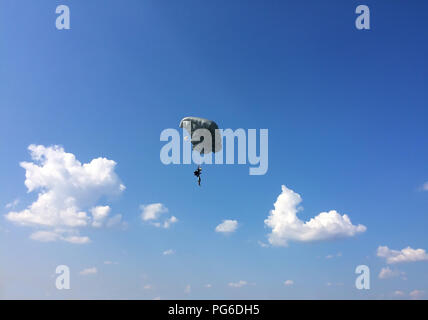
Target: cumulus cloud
417	294
387	272
89	271
67	190
286	226
262	244
238	284
76	239
168	222
45	236
70	236
399	256
12	204
99	214
288	283
153	213
398	293
331	284
168	252
331	256
227	226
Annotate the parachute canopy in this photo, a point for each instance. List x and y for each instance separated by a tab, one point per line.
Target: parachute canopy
193	124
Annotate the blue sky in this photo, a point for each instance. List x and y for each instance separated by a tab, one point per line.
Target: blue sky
346	112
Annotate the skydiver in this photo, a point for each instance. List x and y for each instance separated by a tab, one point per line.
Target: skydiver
198	174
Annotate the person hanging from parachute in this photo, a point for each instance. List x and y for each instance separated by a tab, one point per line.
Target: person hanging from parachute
192	125
198	174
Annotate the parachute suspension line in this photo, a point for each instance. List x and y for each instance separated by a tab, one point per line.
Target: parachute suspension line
199	178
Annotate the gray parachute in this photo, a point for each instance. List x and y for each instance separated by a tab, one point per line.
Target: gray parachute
192	124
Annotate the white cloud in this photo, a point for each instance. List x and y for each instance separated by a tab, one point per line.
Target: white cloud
66	189
70	236
387	272
262	244
238	284
12	204
331	256
168	222
45	236
417	294
288	283
88	271
227	226
168	252
398	293
153	212
108	262
287	226
76	239
330	284
99	214
208	285
425	186
405	255
147	287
